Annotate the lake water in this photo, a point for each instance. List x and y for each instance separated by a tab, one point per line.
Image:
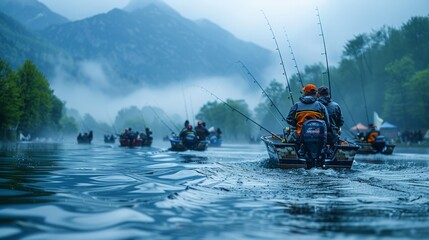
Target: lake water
102	191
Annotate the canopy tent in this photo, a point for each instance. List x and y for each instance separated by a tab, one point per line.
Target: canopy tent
387	125
359	127
389	130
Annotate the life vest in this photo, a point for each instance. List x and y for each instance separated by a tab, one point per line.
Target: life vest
303	116
190	136
372	136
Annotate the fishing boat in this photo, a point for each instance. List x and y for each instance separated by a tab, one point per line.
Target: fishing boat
215	137
287	155
131	138
214	141
138	142
314	151
179	145
379	146
109	138
367	148
86	138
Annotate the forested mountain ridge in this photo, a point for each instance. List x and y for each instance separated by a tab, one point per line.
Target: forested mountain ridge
31	13
19	44
154	45
146	44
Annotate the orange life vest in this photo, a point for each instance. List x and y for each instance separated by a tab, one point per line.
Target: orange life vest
302	116
372	136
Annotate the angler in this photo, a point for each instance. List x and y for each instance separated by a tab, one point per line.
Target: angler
335	114
306	143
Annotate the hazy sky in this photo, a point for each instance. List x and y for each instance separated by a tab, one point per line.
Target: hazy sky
341	19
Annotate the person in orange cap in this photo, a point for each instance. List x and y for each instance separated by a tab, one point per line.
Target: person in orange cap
307	108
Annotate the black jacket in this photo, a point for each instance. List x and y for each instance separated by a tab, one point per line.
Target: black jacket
334	111
307	108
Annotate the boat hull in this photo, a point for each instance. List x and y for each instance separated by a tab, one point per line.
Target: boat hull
178	145
286	155
215	142
366	148
84	141
135	143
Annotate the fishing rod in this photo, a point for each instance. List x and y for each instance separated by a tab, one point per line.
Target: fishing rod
141	114
168	118
186	107
347	108
294	60
326	53
263	91
192	110
162	121
363	92
245	116
171	121
281	58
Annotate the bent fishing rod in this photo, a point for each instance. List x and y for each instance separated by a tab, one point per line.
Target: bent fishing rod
272	102
162	121
281	58
168	118
294	60
263	91
244	115
324	47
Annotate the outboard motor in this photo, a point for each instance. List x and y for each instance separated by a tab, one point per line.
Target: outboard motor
313	138
379	144
190	140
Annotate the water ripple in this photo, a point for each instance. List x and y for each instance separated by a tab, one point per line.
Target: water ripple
234	192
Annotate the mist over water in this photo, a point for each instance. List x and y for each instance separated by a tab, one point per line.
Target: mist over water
94	93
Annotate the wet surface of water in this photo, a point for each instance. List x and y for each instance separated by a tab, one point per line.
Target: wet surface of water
101	191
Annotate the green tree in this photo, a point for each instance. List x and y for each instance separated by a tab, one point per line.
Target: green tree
131	117
416	40
232	123
68	126
11	102
396	98
418	109
37	99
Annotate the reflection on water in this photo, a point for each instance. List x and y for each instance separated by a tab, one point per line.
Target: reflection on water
99	191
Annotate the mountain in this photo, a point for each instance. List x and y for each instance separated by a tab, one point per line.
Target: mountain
19	44
150	43
31	13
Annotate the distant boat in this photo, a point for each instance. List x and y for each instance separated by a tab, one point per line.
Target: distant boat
135	139
379	146
109	138
215	142
86	138
179	145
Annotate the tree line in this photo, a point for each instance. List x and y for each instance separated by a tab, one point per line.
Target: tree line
29	105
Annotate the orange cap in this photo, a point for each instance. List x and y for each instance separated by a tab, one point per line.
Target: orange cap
309	88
